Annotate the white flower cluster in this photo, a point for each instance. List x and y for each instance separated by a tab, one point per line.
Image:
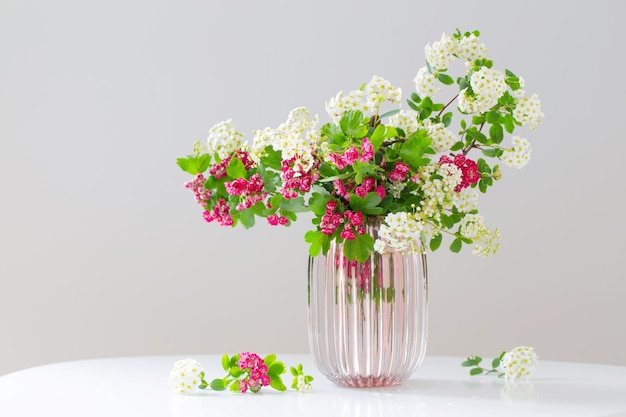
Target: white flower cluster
528	111
439	194
224	139
367	100
399	232
302	385
470	48
443	138
519	363
186	376
292	138
518	155
441	53
425	83
486	242
466	200
488	86
405	120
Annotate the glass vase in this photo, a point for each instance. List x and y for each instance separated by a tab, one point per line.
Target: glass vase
368	322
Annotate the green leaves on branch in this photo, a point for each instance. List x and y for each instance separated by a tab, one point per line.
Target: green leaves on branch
473	362
354	124
194	164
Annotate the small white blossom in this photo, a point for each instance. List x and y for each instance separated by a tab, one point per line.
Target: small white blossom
302	385
519	363
518	155
441	53
224	139
486	242
186	376
425	83
291	138
528	110
488	86
405	120
471	49
395	188
439	194
367	100
443	138
466	200
401	232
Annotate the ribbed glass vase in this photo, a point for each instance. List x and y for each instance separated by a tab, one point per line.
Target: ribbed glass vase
368	322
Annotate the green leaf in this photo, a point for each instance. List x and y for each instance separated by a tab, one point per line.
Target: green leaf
218	385
472	361
414	148
463	83
495	363
234	387
363	170
236	169
413	105
457	146
509	123
246	217
389	113
334	134
493	116
317	204
415	97
490	152
269	359
378	136
435	242
367	205
225	362
354	124
191	164
276	382
273	159
496	134
295	205
360	248
314	239
478	120
276	368
456	245
476	371
447	119
445	78
235	371
293	371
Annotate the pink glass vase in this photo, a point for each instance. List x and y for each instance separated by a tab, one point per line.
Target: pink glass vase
368	322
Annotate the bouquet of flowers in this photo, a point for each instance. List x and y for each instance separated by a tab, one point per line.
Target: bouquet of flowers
409	169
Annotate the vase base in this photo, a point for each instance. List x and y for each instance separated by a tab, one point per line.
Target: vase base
366	381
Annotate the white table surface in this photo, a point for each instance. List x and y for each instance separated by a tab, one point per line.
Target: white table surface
138	386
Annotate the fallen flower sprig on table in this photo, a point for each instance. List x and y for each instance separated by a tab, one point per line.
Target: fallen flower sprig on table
518	363
244	372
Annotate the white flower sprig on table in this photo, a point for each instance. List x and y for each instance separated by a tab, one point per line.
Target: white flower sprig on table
245	372
518	363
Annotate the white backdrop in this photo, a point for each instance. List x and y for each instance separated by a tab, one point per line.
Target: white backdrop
104	253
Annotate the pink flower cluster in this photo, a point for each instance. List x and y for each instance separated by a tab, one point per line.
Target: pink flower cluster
399	172
219	170
257	377
197	187
251	190
295	180
469	170
352	221
350	156
275	220
368	185
220	213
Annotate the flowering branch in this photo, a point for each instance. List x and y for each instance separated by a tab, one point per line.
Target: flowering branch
518	363
244	372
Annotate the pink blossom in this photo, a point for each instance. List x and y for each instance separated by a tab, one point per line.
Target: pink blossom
380	190
368	150
340	188
347	234
351	155
338	160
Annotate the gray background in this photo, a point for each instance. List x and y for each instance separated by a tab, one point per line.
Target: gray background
103	253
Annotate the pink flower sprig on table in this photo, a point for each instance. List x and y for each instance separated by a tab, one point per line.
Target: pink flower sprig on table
245	372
